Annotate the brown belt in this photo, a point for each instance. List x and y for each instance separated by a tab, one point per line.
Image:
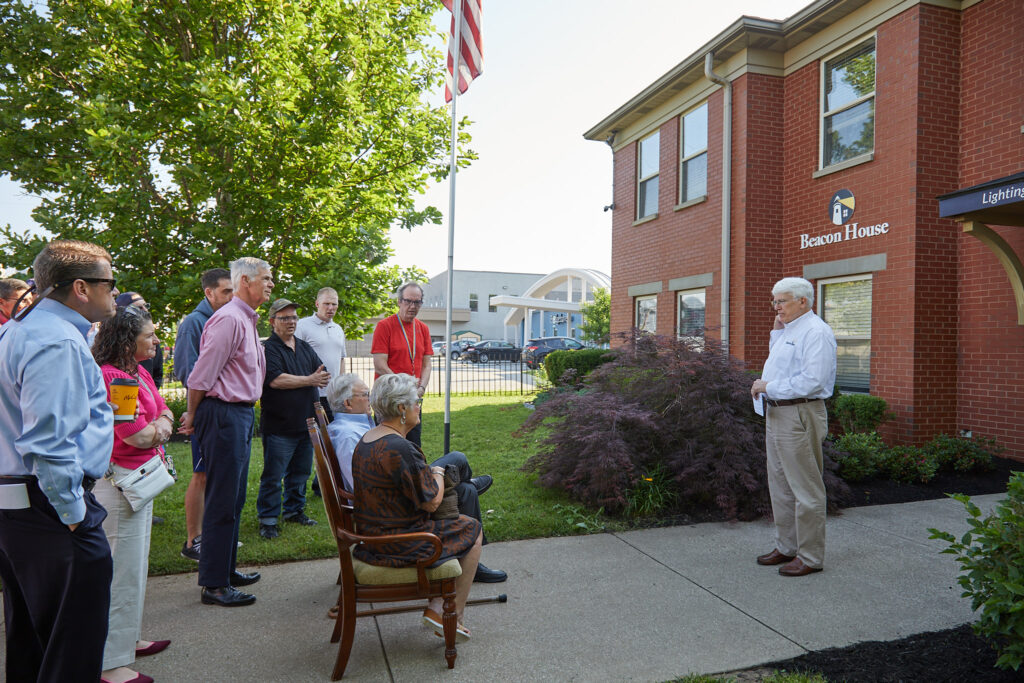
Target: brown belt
789	401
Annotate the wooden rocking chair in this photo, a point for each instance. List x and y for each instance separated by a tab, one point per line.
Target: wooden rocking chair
364	583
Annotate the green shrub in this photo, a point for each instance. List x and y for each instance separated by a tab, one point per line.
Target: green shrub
859	455
963	455
177	406
991	557
860	412
582	361
909	464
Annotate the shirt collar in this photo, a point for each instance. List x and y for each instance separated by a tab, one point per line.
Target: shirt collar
801	320
246	308
205	307
65	313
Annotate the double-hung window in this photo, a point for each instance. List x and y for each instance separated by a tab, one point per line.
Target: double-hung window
693	154
647	313
647	176
690	313
848	105
845	304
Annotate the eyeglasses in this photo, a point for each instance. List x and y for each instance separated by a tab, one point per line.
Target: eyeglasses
49	290
92	280
413	302
780	302
140	304
286	318
360	394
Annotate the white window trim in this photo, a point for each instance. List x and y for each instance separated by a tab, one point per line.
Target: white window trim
822	114
641	180
680	293
682	160
821	304
636	310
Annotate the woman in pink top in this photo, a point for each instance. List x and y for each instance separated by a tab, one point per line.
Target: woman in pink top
122	342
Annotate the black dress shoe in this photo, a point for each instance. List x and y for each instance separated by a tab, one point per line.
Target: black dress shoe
300	518
240	579
482	483
485	575
226	596
269	531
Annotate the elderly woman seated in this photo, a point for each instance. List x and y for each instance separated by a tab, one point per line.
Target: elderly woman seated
350	400
395	492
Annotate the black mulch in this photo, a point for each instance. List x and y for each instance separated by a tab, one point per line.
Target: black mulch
955	654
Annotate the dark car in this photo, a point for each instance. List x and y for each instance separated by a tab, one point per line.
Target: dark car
536	349
491	349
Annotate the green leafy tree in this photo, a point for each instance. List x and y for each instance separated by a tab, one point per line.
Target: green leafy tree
597	325
181	134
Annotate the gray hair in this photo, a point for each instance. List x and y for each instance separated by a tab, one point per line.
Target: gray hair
797	286
391	391
339	390
11	286
248	266
410	283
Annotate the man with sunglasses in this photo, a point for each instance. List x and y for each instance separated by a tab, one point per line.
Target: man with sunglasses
56	434
401	343
11	291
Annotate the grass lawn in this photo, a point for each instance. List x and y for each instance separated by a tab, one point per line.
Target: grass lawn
481	427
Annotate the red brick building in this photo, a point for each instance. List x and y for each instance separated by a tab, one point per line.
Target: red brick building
819	146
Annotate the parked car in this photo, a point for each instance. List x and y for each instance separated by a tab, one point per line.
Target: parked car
491	349
536	349
458	347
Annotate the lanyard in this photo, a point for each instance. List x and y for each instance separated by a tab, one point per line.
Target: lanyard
410	349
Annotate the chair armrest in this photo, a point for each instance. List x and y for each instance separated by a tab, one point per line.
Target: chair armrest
423	536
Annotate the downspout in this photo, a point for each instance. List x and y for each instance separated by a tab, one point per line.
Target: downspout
726	189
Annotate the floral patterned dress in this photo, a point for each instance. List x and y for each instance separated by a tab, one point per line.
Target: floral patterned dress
391	480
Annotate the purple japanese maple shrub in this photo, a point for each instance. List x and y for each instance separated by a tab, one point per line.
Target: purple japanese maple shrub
663	403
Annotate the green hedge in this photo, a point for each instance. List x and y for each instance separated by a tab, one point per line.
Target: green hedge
860	412
582	361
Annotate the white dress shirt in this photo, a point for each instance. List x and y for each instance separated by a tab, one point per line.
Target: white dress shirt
801	360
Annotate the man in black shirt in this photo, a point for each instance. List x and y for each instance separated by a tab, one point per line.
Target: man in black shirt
294	376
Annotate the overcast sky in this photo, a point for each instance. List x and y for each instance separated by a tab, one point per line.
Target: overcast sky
533	200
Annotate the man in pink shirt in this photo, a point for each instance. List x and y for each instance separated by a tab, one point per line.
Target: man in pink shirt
225	382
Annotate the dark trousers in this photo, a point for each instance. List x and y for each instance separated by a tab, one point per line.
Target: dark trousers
56	591
288	457
416	433
465	492
225	437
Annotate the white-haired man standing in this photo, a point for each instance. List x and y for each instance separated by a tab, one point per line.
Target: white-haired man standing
225	383
798	376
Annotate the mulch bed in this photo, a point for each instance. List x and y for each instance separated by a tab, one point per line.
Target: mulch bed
955	654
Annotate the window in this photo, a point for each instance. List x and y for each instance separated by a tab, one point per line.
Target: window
490	308
693	145
572	344
647	176
473	303
647	313
845	304
690	311
848	105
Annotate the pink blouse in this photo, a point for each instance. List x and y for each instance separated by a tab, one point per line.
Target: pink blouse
151	404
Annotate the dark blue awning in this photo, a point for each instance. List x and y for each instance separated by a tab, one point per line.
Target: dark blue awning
997	202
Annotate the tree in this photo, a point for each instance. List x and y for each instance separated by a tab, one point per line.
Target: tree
597	325
181	134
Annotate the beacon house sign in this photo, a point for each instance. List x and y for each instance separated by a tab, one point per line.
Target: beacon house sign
840	210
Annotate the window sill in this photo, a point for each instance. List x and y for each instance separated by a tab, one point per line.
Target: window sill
843	165
691	202
645	219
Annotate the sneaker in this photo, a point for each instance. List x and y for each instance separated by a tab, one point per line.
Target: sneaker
193	552
269	531
302	519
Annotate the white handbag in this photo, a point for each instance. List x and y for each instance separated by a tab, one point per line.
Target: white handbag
144	483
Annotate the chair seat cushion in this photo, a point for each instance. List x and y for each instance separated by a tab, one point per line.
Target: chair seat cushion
372	575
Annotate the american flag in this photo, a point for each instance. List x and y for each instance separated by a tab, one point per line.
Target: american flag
472	63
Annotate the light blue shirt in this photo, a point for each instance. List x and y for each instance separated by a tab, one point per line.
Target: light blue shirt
55	422
801	360
345	432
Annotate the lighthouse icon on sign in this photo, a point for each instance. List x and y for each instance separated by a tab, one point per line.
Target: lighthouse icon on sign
840	208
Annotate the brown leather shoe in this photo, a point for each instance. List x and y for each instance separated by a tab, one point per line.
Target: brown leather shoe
774	557
797	568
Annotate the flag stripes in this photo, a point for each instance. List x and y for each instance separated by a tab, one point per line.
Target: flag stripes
472	63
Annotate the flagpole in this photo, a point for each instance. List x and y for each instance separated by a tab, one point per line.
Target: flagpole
453	171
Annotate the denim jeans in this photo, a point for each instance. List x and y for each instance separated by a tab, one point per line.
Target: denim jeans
289	458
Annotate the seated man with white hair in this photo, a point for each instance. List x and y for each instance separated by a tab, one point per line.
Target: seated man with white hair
350	401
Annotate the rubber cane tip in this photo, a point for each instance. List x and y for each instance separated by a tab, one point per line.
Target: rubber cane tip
502	598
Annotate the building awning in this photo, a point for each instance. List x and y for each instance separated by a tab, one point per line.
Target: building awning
997	202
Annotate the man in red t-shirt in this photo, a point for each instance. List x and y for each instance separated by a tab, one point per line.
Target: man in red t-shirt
401	344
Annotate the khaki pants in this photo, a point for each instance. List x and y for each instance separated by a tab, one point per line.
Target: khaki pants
793	439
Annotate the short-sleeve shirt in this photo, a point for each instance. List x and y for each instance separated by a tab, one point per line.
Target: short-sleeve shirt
151	404
328	340
284	411
388	338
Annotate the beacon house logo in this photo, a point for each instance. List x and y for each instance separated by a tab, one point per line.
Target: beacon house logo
840	208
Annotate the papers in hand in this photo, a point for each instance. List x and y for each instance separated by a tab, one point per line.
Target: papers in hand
759	404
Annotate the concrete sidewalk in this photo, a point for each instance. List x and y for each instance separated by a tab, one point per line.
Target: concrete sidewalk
642	605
